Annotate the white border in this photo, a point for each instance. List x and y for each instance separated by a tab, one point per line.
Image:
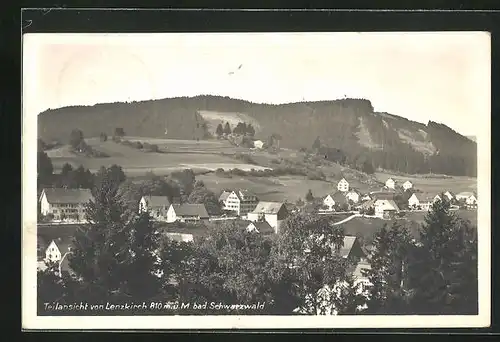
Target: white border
29	217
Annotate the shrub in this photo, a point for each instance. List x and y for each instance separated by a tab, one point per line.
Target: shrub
154	148
138	145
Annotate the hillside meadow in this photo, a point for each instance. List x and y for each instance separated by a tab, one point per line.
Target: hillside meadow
178	154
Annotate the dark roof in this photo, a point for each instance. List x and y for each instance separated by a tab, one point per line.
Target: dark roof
268	207
157	201
338	197
347	246
72	196
245	195
263	227
225	194
383	195
187	209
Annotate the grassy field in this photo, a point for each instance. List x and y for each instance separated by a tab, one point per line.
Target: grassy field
433	183
180	155
209	155
282	188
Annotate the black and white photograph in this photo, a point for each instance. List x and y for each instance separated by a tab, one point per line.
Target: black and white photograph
256	180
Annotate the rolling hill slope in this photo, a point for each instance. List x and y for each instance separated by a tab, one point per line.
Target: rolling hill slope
348	125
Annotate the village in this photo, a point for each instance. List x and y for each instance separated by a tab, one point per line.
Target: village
66	207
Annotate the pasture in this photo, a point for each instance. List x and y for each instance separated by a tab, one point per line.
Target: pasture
179	155
289	188
433	183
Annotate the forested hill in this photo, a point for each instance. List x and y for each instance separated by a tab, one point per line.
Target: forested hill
348	127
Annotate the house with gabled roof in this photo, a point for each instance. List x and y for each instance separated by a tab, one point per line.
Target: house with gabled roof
384	207
56	251
353	195
407	185
261	227
157	206
187	212
273	213
343	185
334	200
61	204
390	183
239	201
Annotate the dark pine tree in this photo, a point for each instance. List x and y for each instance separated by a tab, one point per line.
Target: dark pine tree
227	128
219	131
115	255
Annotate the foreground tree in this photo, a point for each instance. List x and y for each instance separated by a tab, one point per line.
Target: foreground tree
389	292
115	256
227	128
229	266
307	268
444	270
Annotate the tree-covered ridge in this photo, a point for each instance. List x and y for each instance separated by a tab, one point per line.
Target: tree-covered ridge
349	125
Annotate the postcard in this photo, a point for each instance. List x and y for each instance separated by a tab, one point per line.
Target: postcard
256	180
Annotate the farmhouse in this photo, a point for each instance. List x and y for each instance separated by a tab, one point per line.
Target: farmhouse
64	204
157	206
258	144
188	213
343	185
333	200
351	249
470	198
413	201
272	212
54	252
384	207
240	201
407	185
390	183
353	195
262	227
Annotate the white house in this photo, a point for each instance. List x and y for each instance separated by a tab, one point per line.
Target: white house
413	201
471	200
449	195
157	206
272	212
390	183
333	200
436	198
258	144
469	197
52	253
261	227
186	213
384	206
56	252
64	204
353	195
240	201
343	185
407	185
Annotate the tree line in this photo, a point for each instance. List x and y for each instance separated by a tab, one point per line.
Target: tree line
122	256
242	128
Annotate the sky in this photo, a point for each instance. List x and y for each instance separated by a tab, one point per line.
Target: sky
443	77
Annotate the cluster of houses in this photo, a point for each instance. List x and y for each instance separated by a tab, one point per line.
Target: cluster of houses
382	202
264	217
